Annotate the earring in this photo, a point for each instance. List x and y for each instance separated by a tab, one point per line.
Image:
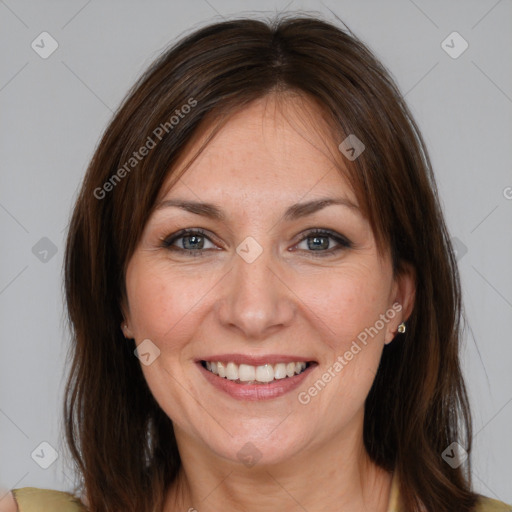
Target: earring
401	328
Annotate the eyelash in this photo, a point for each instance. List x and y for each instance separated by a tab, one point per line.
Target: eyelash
343	242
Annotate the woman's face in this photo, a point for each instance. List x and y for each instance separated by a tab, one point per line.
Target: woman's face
257	290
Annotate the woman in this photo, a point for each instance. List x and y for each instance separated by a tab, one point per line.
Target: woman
264	300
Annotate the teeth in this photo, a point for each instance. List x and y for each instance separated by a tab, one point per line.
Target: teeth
231	371
248	373
265	373
221	369
280	371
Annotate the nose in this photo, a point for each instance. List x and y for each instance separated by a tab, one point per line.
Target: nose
255	299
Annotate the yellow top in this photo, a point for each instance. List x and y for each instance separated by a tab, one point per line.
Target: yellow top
33	499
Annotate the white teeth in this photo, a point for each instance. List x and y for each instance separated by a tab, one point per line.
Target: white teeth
221	369
232	371
299	367
248	373
279	371
265	373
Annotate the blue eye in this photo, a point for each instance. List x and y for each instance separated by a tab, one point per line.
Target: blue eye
193	242
319	241
193	238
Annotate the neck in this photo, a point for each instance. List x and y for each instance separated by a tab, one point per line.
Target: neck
334	476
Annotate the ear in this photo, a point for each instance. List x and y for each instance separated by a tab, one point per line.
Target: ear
125	327
125	324
404	294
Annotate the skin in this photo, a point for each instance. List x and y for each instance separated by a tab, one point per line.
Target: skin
285	302
8	503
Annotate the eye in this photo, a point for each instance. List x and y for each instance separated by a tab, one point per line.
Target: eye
192	242
318	240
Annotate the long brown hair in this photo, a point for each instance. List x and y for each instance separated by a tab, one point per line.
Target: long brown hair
121	441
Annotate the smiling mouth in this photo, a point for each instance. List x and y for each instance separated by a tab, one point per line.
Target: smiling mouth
262	374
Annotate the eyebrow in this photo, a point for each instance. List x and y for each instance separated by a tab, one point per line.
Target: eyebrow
294	212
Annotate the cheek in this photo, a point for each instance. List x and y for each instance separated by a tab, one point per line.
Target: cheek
160	302
349	303
346	301
149	306
168	304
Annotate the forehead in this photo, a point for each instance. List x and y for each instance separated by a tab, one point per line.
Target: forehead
272	149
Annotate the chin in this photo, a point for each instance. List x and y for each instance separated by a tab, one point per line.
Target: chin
266	445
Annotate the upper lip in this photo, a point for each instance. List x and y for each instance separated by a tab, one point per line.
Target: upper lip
256	360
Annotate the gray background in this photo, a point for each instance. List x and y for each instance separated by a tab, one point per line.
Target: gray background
54	110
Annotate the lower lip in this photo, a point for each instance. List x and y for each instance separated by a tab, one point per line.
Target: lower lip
252	392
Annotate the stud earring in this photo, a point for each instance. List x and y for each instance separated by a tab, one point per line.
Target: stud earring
401	328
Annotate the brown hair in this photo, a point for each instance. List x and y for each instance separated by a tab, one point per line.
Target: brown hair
121	441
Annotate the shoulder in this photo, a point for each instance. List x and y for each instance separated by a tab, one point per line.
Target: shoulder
489	505
7	503
34	499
